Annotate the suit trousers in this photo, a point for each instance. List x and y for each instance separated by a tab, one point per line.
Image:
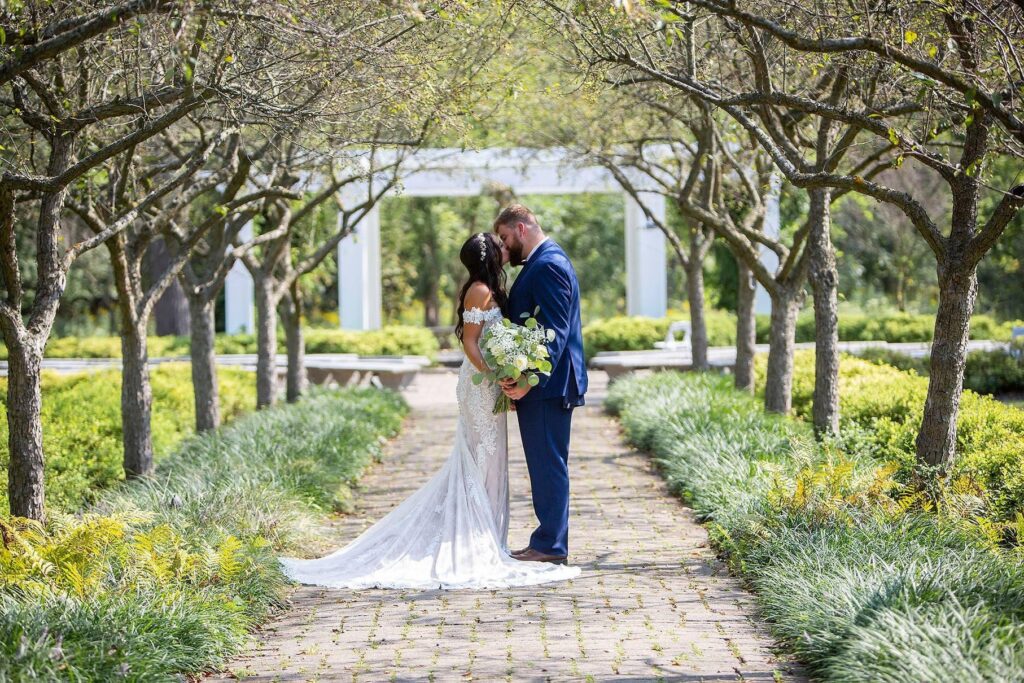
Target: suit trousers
545	426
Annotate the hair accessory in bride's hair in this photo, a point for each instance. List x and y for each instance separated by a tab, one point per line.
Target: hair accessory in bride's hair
483	246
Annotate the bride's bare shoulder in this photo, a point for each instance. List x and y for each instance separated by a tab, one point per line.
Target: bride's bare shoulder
479	295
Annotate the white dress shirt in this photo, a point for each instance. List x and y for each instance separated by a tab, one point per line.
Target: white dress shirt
527	258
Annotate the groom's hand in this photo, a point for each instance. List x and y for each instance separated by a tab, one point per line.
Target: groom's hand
514	391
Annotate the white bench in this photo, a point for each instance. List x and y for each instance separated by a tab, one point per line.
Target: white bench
392	372
345	369
670	337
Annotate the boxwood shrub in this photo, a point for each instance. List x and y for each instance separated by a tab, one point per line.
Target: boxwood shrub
387	341
881	408
82	425
987	372
626	333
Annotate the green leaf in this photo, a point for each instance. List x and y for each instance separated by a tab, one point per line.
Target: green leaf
478	378
533	380
531	323
909	36
894	138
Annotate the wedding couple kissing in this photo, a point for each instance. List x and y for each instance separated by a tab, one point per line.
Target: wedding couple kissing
452	532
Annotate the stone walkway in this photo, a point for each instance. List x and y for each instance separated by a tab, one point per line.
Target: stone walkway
653	602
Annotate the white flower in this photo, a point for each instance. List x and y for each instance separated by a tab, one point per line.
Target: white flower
522	362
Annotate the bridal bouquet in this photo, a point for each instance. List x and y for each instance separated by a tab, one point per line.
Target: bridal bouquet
517	352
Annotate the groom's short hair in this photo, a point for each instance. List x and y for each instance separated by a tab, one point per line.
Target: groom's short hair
515	213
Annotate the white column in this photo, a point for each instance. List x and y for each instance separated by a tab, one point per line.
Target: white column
359	286
239	311
770	260
646	276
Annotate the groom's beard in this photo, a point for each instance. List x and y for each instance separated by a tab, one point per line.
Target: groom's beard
515	255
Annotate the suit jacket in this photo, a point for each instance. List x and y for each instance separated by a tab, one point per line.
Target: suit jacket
548	282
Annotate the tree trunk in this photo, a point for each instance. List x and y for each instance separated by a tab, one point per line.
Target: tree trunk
204	363
901	299
136	401
431	307
266	343
695	297
172	310
25	486
778	391
746	328
936	440
824	280
291	314
25	483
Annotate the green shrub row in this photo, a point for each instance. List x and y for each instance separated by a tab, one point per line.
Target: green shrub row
392	340
163	578
881	409
986	372
852	574
635	333
81	418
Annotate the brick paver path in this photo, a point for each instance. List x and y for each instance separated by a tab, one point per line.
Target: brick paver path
652	603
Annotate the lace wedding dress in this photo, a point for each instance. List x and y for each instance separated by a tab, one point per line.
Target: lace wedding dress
451	533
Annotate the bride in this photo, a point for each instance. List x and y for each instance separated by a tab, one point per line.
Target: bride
451	533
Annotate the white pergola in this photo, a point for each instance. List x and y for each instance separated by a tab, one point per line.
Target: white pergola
460	173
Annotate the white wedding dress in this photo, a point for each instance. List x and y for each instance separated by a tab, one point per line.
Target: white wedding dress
451	533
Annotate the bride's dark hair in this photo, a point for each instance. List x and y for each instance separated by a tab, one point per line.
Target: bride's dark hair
481	254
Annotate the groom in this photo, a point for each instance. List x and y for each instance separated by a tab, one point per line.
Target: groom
547	283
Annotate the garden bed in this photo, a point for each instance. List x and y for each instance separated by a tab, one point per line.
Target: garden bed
81	417
861	578
166	576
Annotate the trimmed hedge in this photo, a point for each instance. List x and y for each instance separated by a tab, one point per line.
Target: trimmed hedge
82	425
636	333
387	341
852	575
881	408
164	578
986	372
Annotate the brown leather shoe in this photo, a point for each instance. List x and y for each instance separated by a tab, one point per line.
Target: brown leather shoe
520	552
531	555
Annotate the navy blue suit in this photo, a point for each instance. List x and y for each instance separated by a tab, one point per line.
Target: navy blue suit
548	282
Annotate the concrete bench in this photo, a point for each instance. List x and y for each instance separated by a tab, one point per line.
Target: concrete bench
618	363
671	342
392	372
345	369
